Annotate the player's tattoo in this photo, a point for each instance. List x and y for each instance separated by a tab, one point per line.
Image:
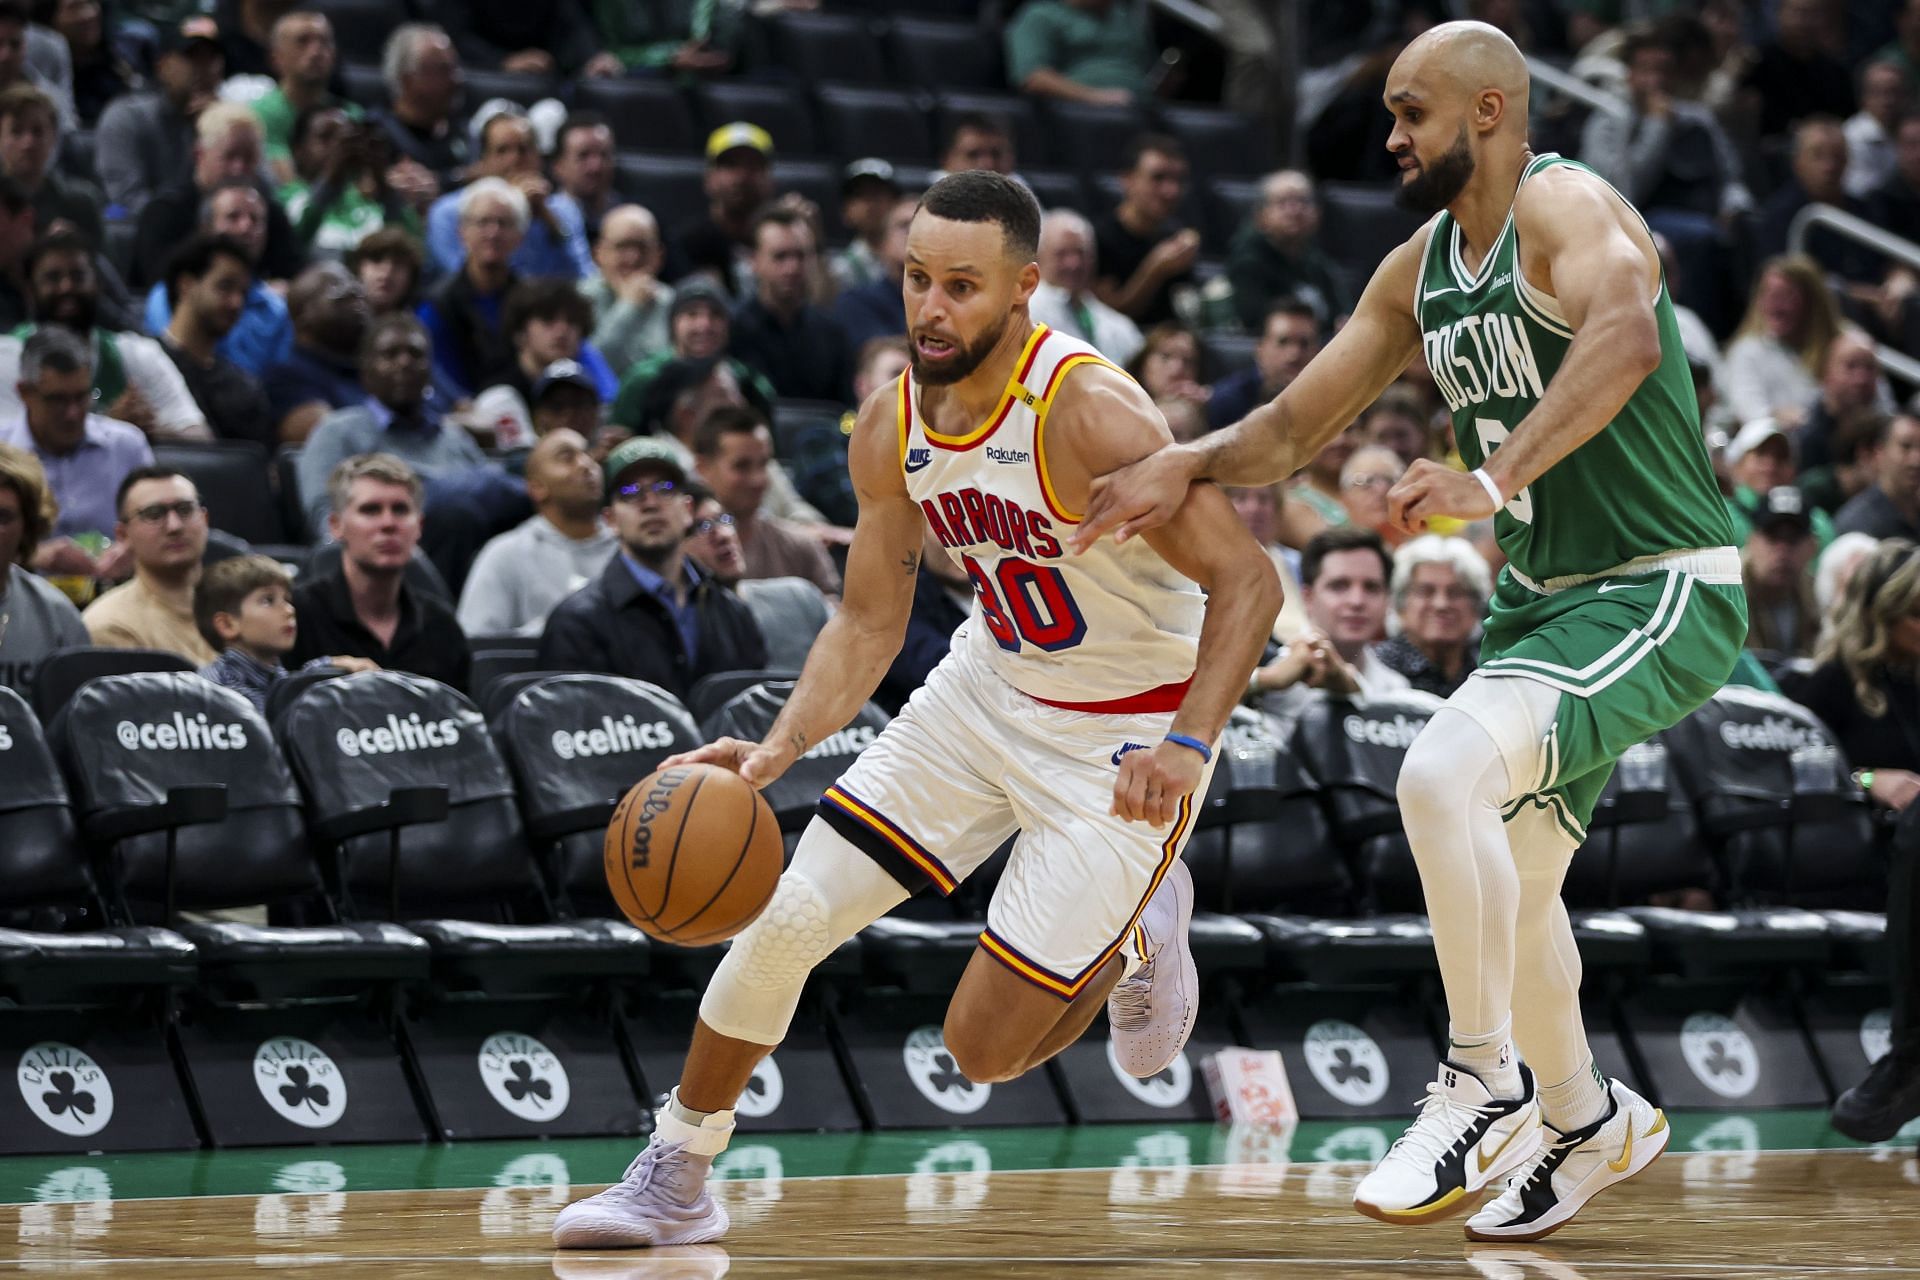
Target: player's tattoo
798	741
911	563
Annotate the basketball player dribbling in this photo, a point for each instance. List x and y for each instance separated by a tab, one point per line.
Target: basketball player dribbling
1538	298
1079	705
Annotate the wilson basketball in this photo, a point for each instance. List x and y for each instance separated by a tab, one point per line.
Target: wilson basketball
692	854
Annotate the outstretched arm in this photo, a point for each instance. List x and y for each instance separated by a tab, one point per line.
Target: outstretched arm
852	652
1102	421
1282	436
1602	269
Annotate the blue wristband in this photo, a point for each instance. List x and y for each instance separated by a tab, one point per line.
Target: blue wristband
1206	752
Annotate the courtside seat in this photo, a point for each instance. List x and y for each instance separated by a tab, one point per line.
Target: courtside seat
1859	941
1775	796
264	962
476	955
76	968
1611	940
1345	952
1354	748
1700	944
795	794
1643	838
922	957
576	744
710	693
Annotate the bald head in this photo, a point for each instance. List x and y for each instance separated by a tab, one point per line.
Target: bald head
1454	63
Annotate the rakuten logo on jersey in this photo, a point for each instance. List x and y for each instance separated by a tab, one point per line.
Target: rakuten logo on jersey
1773	733
181	734
612	738
847	742
411	734
1398	732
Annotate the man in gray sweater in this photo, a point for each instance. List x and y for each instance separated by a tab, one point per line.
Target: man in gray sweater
519	576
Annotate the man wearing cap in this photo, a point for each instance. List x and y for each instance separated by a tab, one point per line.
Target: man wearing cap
739	180
651	615
631	306
521	575
1760	458
145	140
800	348
1782	617
566	398
1891	507
878	309
699	327
556	239
868	193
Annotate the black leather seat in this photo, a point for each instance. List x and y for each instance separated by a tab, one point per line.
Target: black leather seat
576	745
781	109
862	120
1089	138
829	46
45	878
794	795
644	114
958	55
60	675
1216	140
710	693
1643	838
403	782
231	476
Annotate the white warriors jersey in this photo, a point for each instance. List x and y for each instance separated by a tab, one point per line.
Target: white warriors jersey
1117	625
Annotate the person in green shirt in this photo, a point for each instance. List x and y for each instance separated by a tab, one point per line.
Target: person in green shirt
1092	51
302	52
339	193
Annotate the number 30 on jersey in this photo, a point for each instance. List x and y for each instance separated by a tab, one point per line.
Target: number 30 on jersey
1027	602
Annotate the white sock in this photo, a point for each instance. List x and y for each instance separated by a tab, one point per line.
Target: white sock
1489	1055
702	1134
1577	1101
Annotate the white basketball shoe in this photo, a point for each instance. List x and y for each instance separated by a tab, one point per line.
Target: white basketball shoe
1572	1168
1464	1139
662	1200
1152	1013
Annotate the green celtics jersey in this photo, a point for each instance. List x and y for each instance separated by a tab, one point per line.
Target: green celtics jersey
1643	486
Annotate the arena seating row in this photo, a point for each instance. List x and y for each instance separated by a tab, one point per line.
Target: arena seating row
433	868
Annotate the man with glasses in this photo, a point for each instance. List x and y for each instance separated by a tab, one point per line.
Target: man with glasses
790	611
85	455
164	524
521	575
651	614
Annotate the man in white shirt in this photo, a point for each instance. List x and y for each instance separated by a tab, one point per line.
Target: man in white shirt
519	576
1064	299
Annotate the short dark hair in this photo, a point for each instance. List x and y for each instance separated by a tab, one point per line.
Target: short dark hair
1857	433
979	122
1163	144
388	242
775	215
545	298
22	98
63	241
1344	537
152	471
1292	307
195	257
392	320
225	586
979	196
575	121
721	421
1641	39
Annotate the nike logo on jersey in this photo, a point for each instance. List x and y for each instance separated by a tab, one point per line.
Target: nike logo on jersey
1124	748
919	460
1620	586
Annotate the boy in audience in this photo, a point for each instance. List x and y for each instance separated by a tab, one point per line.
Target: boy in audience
244	608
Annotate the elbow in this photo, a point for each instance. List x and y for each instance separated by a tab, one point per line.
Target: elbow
1259	592
1641	344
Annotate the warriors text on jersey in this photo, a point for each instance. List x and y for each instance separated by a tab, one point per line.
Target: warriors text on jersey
1117	624
1643	486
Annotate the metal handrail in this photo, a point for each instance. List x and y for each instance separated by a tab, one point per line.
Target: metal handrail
1568	85
1894	361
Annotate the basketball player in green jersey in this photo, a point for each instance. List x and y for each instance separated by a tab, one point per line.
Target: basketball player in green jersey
1537	297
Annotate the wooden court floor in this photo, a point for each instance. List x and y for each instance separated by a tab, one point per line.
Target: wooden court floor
1704	1214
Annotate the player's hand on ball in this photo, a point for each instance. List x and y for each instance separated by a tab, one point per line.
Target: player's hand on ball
1152	783
1135	498
1431	489
756	763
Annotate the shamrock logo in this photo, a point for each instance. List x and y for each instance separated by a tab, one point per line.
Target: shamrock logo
1344	1068
1721	1063
946	1075
522	1082
64	1097
301	1091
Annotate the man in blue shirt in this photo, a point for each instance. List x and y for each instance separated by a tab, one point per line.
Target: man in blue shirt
263	336
556	241
651	615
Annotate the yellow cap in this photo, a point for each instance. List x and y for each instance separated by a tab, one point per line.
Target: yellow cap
738	134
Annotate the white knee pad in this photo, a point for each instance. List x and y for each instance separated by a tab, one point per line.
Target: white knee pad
829	893
790	937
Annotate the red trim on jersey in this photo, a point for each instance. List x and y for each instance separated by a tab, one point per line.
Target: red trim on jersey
1167	697
960	444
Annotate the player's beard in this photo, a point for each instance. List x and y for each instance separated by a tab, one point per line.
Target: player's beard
969	358
1435	184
